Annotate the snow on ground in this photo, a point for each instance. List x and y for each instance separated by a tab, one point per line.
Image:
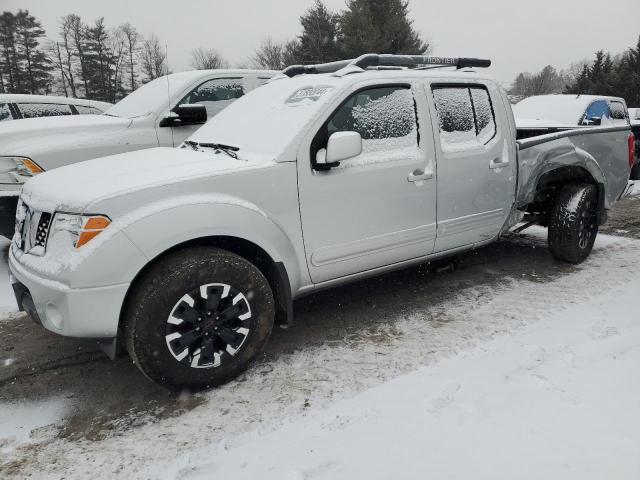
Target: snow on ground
526	379
20	422
558	400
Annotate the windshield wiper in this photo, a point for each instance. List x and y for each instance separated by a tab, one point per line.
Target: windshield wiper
218	147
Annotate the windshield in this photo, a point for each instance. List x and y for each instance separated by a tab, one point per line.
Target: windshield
147	99
267	120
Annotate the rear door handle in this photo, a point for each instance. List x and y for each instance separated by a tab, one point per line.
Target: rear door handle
498	163
418	175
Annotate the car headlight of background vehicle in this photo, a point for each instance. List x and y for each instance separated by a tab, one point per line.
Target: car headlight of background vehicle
73	231
17	169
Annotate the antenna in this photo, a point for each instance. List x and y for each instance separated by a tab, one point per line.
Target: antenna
166	58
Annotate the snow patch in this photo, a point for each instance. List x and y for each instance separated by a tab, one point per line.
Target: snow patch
20	420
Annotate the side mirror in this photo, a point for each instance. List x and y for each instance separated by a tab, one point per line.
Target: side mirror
341	146
194	114
593	121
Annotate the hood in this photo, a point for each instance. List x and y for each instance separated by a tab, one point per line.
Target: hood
73	188
33	134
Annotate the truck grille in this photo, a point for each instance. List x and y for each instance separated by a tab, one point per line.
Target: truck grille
33	228
43	230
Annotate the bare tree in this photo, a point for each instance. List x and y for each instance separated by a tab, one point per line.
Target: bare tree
77	34
275	56
56	57
118	47
207	59
153	58
67	62
546	81
132	38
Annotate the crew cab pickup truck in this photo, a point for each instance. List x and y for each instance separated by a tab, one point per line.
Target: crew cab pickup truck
325	175
162	113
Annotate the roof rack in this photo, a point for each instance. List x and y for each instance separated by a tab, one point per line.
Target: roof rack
371	60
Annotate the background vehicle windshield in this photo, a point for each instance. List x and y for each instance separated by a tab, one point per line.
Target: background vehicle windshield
148	98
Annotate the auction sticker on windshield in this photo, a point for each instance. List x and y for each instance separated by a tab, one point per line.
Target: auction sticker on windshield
307	93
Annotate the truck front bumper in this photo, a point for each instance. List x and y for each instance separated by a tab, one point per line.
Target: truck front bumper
72	312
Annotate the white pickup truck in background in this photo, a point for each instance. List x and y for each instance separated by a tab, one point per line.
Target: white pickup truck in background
161	113
542	114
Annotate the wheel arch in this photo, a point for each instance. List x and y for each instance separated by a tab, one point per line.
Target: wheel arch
554	179
274	271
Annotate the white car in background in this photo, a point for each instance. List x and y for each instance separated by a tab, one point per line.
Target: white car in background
542	114
17	106
161	113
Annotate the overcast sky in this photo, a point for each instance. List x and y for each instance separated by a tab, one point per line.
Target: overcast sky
516	37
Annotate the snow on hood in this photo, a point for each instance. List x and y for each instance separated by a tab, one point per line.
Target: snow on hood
559	109
27	135
73	188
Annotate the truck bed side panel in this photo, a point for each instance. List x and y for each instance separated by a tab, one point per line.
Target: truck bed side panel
601	151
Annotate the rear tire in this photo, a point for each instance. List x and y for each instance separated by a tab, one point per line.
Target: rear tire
573	224
197	318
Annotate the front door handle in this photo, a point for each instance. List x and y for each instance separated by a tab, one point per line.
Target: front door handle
498	163
418	175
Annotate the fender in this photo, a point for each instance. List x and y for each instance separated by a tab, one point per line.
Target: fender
160	226
538	161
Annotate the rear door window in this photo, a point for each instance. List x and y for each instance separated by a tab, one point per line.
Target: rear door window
5	113
618	112
33	110
465	116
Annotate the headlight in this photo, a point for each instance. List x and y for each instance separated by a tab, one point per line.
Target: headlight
75	230
16	169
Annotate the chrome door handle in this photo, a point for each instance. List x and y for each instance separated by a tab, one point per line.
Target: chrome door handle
498	163
419	175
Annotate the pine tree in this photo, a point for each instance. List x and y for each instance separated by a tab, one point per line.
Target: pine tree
98	61
10	67
379	26
37	67
318	41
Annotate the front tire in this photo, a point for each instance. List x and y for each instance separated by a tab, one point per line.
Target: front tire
197	318
573	224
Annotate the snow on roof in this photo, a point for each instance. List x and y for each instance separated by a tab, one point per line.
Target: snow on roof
559	109
25	98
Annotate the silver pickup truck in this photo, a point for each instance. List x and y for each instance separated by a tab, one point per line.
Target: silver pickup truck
325	175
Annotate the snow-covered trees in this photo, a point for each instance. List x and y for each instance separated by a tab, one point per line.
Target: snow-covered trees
207	59
379	26
24	65
153	58
85	60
